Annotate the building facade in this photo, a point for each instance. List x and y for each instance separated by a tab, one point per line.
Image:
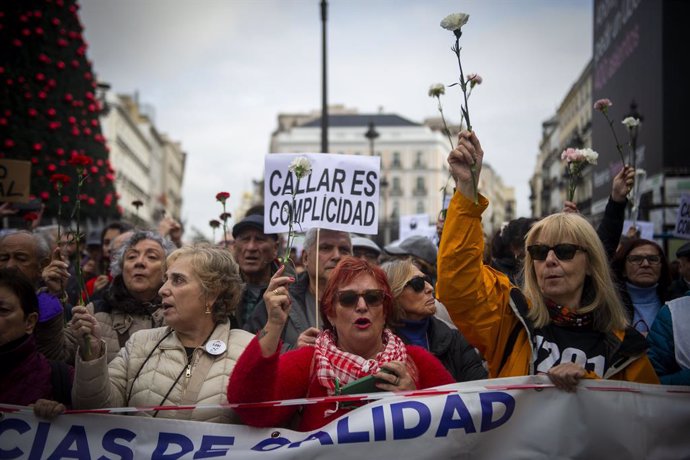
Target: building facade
570	126
149	166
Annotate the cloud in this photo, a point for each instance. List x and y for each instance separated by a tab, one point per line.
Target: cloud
219	72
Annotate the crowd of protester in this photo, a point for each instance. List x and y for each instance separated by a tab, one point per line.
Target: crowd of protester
159	323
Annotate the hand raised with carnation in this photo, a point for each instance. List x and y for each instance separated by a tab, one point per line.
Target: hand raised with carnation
467	153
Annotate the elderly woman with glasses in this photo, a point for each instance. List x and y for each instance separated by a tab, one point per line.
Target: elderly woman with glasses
643	279
355	344
413	320
570	322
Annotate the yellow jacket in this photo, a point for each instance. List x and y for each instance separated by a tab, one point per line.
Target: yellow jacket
478	299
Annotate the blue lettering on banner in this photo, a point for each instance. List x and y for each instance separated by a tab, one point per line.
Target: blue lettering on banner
271	444
109	443
321	436
379	423
345	436
454	403
487	401
75	435
39	441
209	446
165	440
399	429
21	427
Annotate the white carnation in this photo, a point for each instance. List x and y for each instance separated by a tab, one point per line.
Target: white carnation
301	167
631	122
590	156
436	90
455	21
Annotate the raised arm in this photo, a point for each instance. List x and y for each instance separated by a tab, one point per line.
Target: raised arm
475	295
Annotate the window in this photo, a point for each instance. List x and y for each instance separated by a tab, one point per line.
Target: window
420	207
396	160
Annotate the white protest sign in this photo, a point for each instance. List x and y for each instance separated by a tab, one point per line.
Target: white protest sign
341	193
682	229
646	228
488	419
413	224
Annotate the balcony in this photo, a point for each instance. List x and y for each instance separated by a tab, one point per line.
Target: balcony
419	191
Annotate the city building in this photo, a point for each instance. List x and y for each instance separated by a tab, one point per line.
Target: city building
570	126
413	161
149	165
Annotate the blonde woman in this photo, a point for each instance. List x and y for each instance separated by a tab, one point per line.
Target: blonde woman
570	323
412	319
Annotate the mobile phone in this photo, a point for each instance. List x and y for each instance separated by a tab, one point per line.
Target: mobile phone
364	385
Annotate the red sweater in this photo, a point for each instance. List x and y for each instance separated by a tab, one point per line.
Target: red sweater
288	376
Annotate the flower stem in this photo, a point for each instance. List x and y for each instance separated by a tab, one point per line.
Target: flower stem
618	144
466	114
225	228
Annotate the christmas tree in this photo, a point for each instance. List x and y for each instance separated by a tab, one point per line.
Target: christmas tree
48	106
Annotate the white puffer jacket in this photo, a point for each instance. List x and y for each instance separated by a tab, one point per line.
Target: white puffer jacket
98	384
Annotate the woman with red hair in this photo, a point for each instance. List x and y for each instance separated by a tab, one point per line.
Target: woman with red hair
355	343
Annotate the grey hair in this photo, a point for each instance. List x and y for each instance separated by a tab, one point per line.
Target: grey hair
41	241
310	238
118	257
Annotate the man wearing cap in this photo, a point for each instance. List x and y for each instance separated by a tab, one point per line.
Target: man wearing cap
255	253
365	249
682	285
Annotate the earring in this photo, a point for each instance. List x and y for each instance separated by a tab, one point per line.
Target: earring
208	309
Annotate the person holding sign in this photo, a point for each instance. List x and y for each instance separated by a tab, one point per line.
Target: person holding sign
187	362
301	327
354	350
570	324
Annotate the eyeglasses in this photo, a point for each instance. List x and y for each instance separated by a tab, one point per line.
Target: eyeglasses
418	283
350	299
564	251
638	259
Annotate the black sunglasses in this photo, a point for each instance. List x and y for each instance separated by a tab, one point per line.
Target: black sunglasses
564	251
372	297
418	283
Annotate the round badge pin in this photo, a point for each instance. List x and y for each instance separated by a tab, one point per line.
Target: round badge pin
216	347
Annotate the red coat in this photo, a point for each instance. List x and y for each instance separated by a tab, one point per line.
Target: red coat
288	376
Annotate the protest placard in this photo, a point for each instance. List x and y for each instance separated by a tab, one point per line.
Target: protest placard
340	193
15	180
682	229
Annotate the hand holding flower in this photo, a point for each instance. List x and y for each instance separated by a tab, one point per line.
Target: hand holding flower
468	155
622	183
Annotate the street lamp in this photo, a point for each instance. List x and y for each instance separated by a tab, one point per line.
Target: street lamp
384	190
633	131
371	134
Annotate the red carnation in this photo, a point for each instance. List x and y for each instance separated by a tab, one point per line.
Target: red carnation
91	201
30	216
225	216
214	223
222	196
61	179
45	196
80	160
137	204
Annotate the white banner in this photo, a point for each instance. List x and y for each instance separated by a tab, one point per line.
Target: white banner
515	418
646	228
413	224
341	193
682	229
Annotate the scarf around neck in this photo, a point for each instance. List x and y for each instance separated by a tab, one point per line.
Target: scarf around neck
332	363
563	316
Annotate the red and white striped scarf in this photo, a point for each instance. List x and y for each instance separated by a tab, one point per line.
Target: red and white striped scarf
333	363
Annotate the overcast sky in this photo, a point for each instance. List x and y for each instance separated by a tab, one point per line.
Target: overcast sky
218	72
